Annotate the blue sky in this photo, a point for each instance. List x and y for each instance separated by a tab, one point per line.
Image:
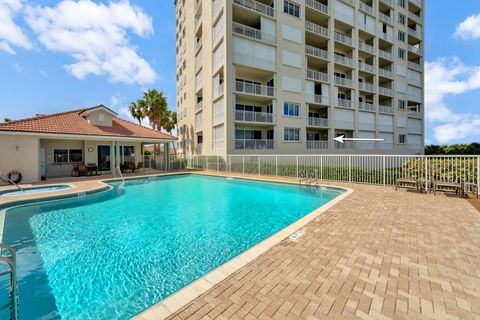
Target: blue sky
122	48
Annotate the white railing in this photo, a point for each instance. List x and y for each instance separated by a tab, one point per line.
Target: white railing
385	73
315	28
414	33
343	38
343	60
317	144
317	122
316	6
339	81
366	27
251	116
254	144
414	114
414	66
414	49
366	106
389	2
386	36
366	67
366	87
219	89
385	91
415	82
316	75
198	106
247	31
414	17
344	103
385	109
256	6
365	7
383	17
316	52
317	98
384	54
368	169
366	47
256	89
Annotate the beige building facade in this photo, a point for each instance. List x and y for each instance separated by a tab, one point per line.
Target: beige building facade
288	76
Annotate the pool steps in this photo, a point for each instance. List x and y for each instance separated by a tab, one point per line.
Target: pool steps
9	260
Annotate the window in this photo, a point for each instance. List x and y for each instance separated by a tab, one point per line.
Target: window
248	134
401	53
199	139
401	36
291	134
291	8
291	109
402	139
401	104
401	19
401	3
313	136
67	155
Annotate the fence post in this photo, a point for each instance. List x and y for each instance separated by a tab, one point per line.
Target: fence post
321	167
349	169
297	167
426	174
243	164
384	171
218	163
229	159
478	175
258	164
207	162
276	166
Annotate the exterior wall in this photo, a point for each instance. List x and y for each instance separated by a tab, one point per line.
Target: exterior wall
25	159
95	118
247	57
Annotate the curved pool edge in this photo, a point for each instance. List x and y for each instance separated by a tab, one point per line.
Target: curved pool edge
179	299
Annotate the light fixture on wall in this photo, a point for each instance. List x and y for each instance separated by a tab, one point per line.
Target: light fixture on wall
90	149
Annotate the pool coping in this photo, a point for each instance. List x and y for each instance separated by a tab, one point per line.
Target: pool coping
179	299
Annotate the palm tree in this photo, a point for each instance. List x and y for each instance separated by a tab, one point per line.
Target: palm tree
156	108
137	110
171	124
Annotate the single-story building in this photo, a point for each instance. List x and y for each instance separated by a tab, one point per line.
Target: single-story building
48	146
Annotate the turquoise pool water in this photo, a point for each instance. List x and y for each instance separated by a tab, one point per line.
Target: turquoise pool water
15	192
113	254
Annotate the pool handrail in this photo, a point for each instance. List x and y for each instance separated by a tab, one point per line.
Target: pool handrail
5	177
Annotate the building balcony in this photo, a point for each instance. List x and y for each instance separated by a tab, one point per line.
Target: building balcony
366	47
346	145
383	17
367	87
415	33
317	144
343	60
254	89
415	49
366	106
414	82
414	114
316	52
367	28
385	91
385	109
388	2
414	66
255	117
317	6
343	39
198	23
385	55
414	17
385	73
317	122
253	33
418	3
317	99
316	75
344	82
386	37
219	89
366	67
315	28
256	6
254	144
199	106
344	103
365	7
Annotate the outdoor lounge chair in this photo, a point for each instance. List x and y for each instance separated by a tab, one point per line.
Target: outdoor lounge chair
407	182
80	170
442	185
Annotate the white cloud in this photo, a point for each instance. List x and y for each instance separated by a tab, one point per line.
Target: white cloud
114	101
16	67
96	36
11	35
449	77
469	29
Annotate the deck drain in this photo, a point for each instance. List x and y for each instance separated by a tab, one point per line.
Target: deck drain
297	234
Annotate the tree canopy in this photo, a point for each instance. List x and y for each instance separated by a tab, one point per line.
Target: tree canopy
454	149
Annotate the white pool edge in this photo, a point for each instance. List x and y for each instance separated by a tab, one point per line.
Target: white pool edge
173	303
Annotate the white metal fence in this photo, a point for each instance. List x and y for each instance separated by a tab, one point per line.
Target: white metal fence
370	169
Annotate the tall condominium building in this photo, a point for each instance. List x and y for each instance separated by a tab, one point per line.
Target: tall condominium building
288	76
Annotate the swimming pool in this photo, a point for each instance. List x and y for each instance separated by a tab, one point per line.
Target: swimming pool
113	254
15	192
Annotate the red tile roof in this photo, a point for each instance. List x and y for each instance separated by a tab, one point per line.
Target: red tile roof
72	122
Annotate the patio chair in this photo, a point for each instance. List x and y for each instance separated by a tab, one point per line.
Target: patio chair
442	185
138	167
82	170
407	182
131	167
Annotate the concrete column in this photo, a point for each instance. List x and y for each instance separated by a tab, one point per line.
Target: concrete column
166	155
113	159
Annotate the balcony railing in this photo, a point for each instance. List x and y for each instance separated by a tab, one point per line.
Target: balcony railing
255	89
346	145
256	6
315	28
344	103
343	60
385	73
316	52
316	75
366	87
317	122
414	114
343	38
368	28
343	82
415	49
384	54
366	47
251	116
219	89
198	106
414	66
365	7
253	33
415	82
366	106
386	36
198	23
389	2
317	98
317	144
414	17
254	144
366	67
414	33
385	109
316	6
418	3
385	91
383	17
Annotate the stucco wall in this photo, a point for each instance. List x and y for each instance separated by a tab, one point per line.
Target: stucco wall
25	159
58	169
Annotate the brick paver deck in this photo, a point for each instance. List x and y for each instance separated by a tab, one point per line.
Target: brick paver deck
378	254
